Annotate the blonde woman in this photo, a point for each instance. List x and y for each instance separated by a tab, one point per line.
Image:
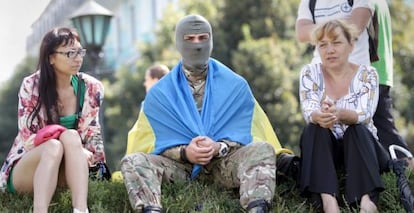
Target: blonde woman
338	99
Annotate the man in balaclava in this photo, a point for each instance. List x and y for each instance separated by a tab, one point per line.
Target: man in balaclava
194	41
201	120
194	56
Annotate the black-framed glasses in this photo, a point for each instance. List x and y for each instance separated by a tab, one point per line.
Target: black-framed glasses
73	53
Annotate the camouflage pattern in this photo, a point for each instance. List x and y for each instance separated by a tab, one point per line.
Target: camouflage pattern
252	168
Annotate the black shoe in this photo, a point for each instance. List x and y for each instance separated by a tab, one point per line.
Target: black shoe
152	209
287	166
258	206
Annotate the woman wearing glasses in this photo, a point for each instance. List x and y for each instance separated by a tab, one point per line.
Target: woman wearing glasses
59	134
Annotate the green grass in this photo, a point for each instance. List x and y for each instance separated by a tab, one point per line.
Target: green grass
196	196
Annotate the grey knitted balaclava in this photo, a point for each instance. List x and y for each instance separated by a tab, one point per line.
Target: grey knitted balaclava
194	55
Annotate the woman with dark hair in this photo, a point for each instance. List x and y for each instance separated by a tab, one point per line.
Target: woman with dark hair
59	135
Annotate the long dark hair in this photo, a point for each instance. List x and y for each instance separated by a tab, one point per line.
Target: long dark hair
48	95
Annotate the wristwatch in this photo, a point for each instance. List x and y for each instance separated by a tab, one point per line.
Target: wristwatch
224	150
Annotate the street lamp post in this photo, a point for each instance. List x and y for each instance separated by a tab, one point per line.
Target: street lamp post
92	22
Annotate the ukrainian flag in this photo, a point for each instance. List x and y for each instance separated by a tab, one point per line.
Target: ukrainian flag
170	117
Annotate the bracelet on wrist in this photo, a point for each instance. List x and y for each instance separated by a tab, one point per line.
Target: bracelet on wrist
183	155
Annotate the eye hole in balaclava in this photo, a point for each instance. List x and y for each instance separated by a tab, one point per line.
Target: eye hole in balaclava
194	55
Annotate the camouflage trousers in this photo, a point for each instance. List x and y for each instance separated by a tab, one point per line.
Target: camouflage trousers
252	168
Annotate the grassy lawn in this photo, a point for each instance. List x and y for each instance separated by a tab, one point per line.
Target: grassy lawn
191	197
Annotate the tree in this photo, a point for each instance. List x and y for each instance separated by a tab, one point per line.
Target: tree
263	62
9	102
403	49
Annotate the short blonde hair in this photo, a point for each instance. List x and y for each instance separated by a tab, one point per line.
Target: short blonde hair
328	29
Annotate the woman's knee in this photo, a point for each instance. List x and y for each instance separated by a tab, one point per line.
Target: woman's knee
53	148
355	128
50	152
358	131
71	139
313	132
315	128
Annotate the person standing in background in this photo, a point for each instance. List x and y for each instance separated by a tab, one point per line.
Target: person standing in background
383	118
359	14
153	74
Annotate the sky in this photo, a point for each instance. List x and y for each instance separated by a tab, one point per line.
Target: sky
16	17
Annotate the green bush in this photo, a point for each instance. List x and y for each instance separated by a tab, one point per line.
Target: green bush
196	196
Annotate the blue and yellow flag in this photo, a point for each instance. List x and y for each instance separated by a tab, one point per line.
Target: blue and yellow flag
170	117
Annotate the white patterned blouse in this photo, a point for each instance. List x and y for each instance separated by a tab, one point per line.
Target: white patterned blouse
362	96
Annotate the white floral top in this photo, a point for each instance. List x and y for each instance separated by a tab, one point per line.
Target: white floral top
362	96
88	126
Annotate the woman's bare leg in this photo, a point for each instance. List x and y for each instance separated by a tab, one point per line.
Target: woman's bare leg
37	172
330	204
76	168
367	206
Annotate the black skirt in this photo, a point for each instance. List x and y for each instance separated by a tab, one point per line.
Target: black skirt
358	155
